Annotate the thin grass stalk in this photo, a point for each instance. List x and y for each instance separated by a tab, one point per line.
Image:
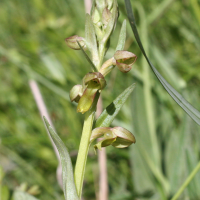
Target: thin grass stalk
102	162
88	5
147	91
43	112
187	181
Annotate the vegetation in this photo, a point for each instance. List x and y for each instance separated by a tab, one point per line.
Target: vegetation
32	47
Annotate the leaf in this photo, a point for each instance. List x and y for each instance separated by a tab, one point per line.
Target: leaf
108	115
88	58
186	106
122	37
90	37
67	169
20	195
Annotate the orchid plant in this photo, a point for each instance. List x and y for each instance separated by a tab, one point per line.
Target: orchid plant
99	26
98	29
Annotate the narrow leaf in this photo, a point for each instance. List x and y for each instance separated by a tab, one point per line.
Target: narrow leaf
186	106
20	195
122	37
90	37
67	169
108	115
88	58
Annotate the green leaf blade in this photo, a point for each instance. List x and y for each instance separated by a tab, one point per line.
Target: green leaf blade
69	187
88	58
108	115
91	41
178	98
122	37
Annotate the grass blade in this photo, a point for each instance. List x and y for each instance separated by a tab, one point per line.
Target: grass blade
187	181
186	106
67	169
108	115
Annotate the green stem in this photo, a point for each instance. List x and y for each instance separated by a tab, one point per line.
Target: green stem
102	51
187	181
84	147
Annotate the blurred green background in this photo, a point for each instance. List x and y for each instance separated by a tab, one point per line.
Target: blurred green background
32	46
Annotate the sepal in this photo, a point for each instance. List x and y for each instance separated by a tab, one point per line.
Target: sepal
124	60
72	42
76	93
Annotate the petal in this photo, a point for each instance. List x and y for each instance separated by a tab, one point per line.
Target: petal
124	55
123	67
75	93
104	143
98	132
124	60
96	77
86	100
124	134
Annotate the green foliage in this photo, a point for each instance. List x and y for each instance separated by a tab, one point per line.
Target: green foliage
109	114
189	109
67	169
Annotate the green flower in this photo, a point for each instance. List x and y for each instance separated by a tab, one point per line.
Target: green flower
92	82
124	60
118	137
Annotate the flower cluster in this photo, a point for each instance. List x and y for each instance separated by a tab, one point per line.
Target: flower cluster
99	26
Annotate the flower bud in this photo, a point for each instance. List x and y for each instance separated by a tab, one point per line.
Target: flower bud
106	16
118	137
96	16
92	82
72	42
100	5
76	93
124	60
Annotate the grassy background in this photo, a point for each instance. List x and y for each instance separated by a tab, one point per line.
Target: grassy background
32	46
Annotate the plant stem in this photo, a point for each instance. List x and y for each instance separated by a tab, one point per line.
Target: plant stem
84	147
187	181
